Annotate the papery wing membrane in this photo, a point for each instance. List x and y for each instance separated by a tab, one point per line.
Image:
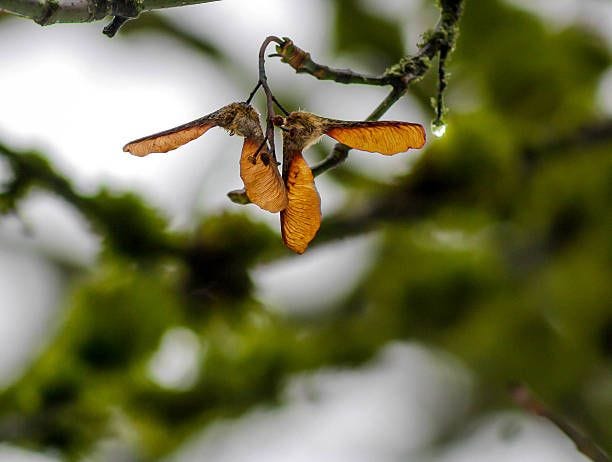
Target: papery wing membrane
386	137
169	139
301	220
262	182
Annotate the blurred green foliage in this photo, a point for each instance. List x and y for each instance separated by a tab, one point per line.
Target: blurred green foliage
360	31
496	247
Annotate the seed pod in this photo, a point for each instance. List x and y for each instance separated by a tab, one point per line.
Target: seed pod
384	137
258	170
301	219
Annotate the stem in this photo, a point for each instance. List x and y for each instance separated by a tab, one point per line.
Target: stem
301	62
270	100
253	92
523	397
278	105
440	107
399	76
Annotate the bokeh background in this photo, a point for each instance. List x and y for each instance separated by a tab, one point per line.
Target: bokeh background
150	318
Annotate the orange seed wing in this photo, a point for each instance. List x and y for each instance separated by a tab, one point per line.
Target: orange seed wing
169	139
385	137
301	220
262	182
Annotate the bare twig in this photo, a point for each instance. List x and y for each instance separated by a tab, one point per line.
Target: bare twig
253	92
46	12
399	76
278	105
523	397
300	60
408	70
438	122
270	99
239	196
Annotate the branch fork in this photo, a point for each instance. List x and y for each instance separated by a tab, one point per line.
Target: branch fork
408	70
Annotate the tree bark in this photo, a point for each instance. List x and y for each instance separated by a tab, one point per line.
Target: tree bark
46	12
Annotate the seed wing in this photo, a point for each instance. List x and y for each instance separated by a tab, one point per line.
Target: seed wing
386	137
169	139
301	220
262	182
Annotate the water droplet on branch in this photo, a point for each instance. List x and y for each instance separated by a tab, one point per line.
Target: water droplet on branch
438	128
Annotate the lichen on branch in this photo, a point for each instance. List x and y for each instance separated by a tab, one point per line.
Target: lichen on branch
399	76
45	12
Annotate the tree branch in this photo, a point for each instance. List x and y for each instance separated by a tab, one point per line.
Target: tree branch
523	397
270	99
399	76
302	63
408	70
46	12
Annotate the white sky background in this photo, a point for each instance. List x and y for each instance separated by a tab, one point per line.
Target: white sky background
79	96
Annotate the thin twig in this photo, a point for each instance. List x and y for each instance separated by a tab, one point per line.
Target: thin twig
254	156
408	70
240	196
399	76
253	92
302	63
442	82
270	100
523	397
279	106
